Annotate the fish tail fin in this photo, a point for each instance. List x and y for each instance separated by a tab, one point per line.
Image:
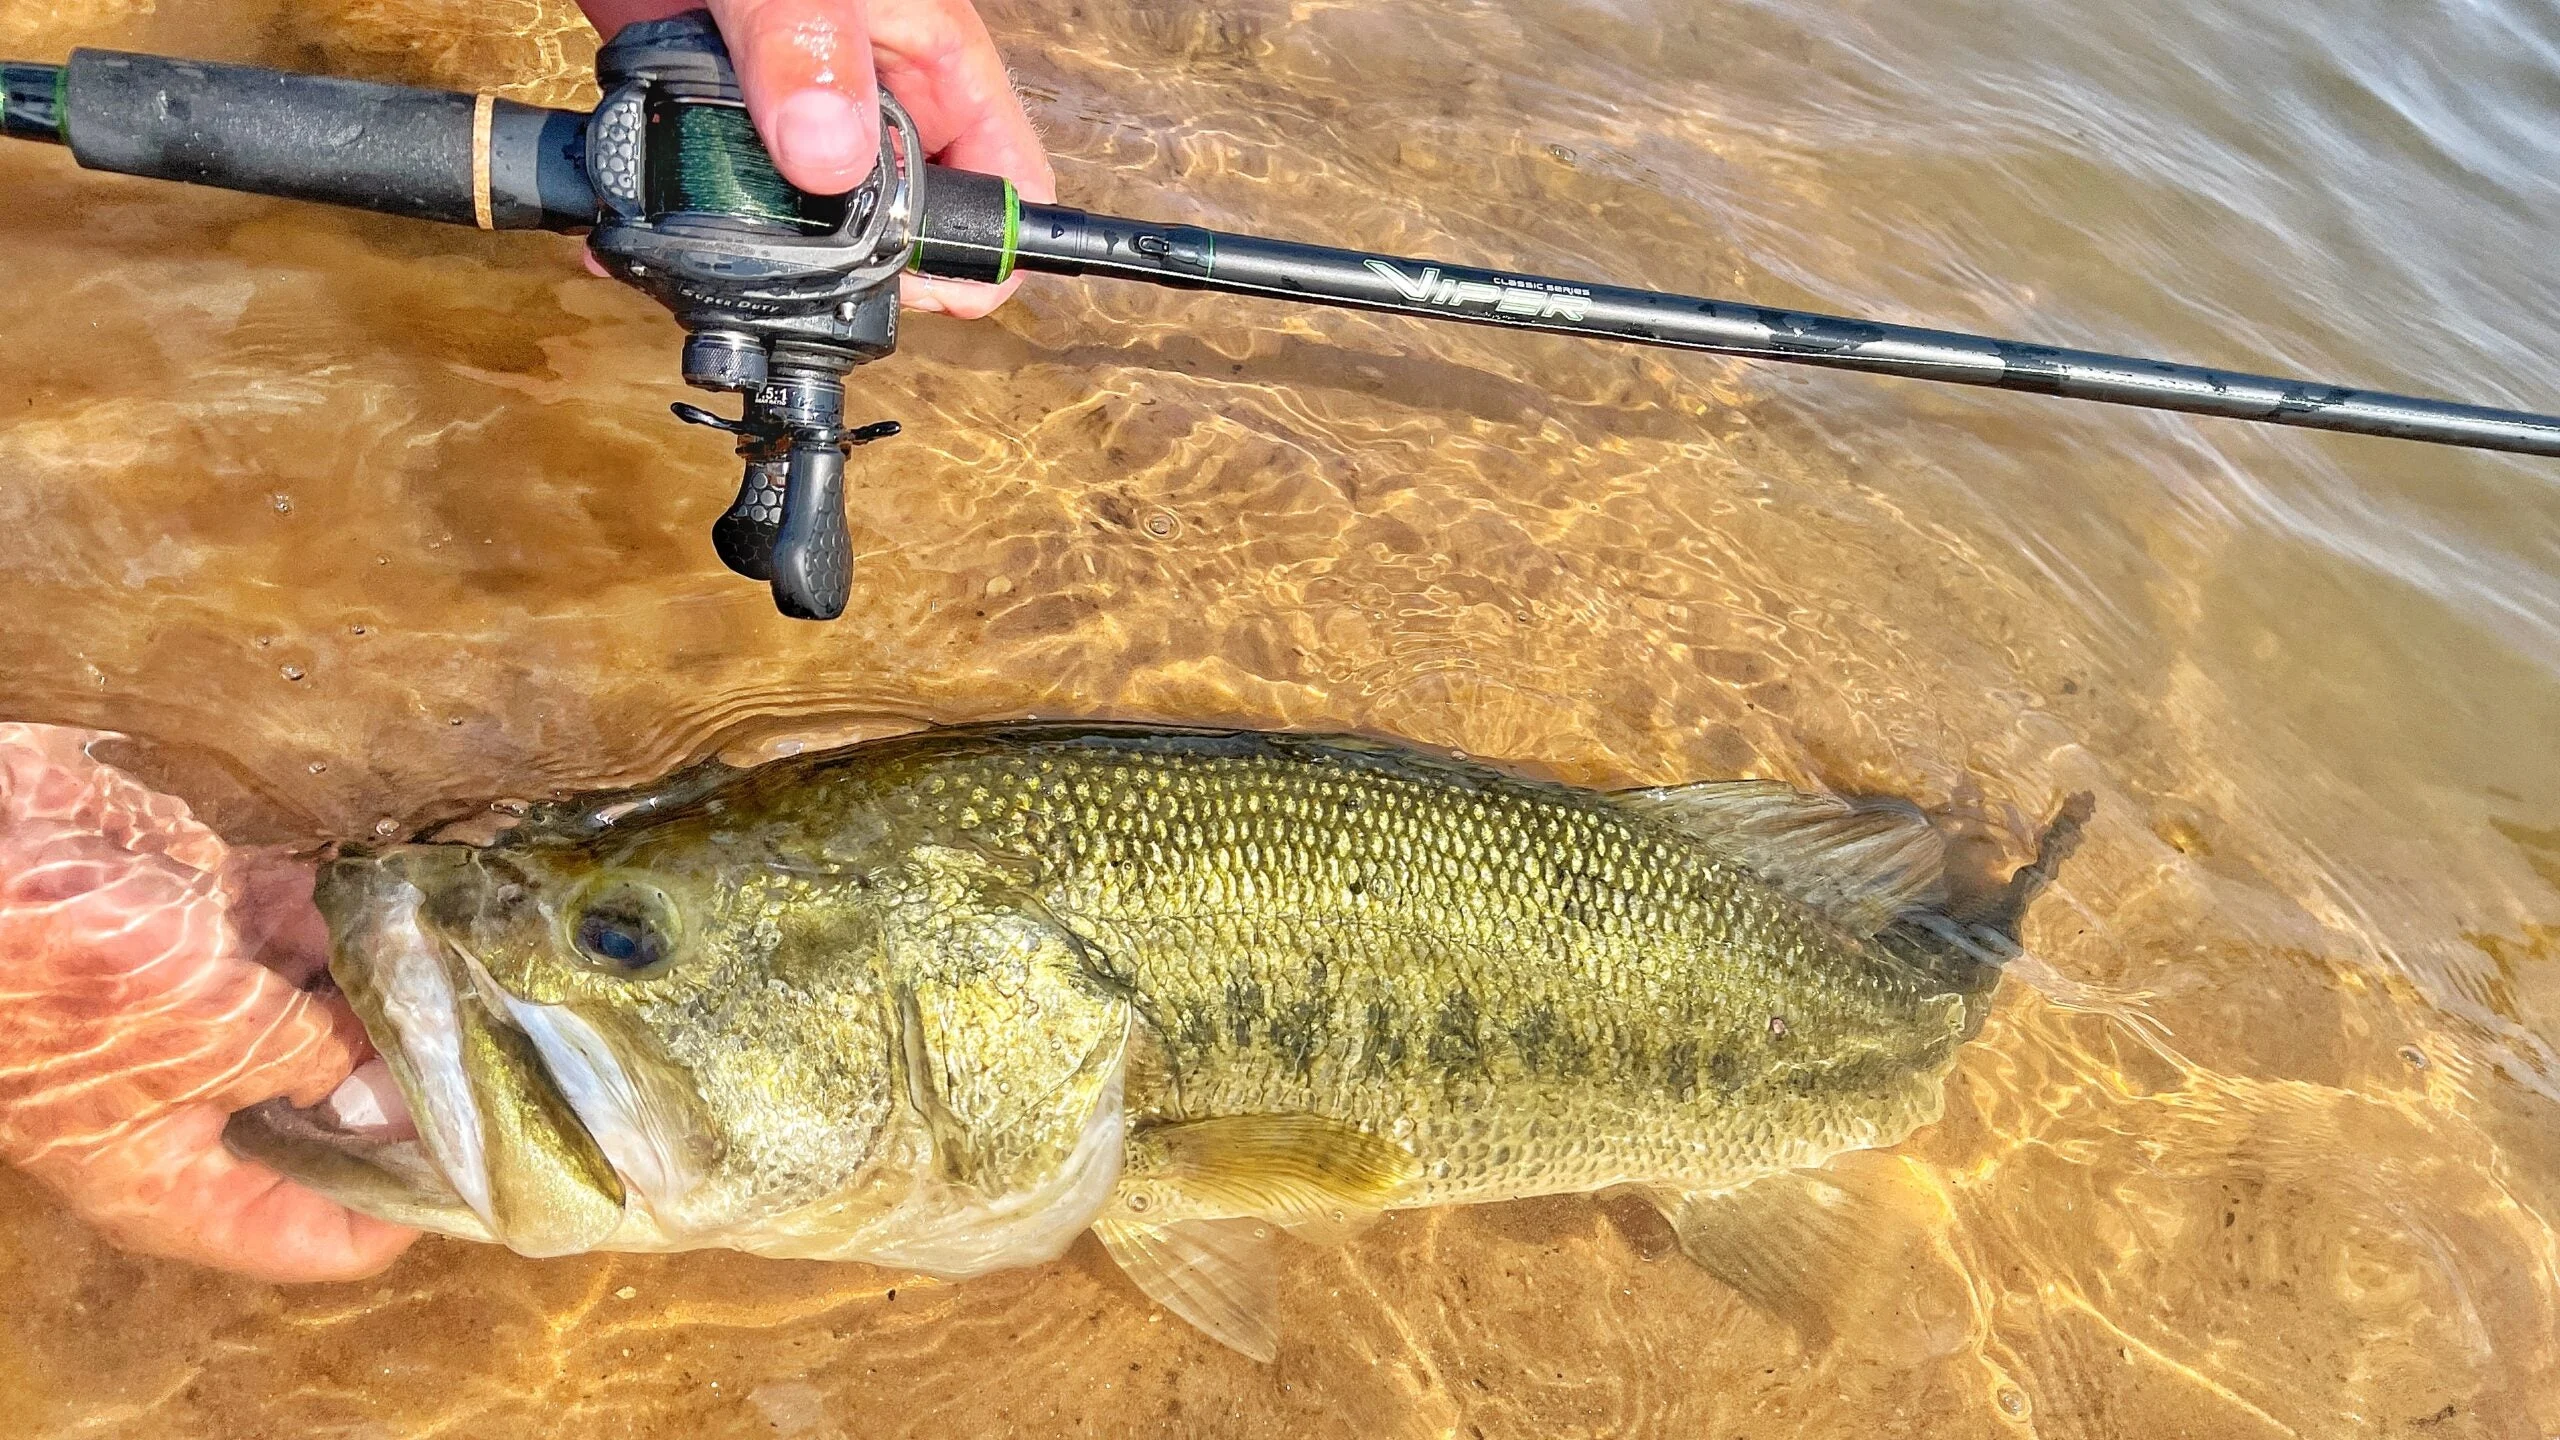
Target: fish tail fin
1985	923
2006	910
1876	865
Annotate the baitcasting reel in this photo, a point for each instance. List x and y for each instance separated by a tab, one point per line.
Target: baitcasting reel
781	293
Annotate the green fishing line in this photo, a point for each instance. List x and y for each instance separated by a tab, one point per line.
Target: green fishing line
706	159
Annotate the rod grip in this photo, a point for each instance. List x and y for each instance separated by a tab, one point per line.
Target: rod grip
968	226
426	154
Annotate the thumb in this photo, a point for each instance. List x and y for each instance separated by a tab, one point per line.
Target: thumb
806	68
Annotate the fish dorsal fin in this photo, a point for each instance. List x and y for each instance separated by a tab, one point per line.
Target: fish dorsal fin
1860	862
1302	1171
1220	1275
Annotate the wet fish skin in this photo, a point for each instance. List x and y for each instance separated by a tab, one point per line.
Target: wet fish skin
1531	987
945	1000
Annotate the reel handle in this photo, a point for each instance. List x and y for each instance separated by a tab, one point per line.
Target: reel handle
744	535
812	557
787	524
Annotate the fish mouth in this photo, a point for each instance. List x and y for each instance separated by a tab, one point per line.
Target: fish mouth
370	1161
490	1125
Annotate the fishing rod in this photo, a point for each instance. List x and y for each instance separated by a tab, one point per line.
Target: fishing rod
781	293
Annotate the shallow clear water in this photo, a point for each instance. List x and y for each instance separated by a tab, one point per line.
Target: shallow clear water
350	519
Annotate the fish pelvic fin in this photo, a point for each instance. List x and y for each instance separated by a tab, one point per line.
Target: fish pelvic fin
1200	1203
1221	1275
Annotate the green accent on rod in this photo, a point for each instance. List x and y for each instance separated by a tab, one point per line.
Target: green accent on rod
31	103
1012	232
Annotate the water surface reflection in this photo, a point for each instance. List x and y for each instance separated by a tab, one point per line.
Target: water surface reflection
350	519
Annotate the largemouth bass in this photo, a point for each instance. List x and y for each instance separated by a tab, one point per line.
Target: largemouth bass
945	1001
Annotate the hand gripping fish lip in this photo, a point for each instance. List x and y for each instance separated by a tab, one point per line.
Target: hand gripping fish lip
481	1070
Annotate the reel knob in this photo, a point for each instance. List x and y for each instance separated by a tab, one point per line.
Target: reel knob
812	556
744	535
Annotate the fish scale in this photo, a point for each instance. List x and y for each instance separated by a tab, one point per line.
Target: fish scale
1533	989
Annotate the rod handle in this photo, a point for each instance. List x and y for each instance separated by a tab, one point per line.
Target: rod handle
427	154
969	226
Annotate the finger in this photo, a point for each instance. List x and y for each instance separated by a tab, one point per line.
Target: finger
937	58
171	1189
128	993
306	1047
41	770
269	890
805	66
960	299
262	1225
609	16
47	773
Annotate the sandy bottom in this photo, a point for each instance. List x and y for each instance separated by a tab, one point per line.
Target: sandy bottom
352	521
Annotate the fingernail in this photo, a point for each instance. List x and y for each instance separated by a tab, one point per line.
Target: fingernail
824	140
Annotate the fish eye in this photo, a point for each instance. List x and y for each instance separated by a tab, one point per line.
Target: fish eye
623	931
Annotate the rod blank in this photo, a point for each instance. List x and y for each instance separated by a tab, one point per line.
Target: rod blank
1066	241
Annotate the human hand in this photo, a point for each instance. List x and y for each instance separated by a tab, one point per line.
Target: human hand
149	975
811	69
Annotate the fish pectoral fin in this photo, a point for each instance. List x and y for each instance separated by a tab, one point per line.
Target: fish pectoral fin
1819	1250
1318	1177
1859	861
1221	1275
